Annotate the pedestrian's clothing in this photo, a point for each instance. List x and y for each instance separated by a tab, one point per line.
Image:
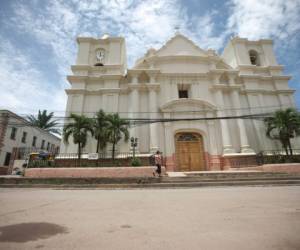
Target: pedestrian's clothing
158	160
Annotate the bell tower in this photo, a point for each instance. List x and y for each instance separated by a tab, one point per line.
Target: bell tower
243	52
106	51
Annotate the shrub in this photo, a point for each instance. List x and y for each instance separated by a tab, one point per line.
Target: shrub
136	162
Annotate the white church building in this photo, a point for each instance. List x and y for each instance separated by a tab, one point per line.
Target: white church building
182	81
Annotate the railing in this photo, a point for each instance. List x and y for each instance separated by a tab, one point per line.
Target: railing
277	156
90	160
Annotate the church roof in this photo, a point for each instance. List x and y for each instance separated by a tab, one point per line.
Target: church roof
178	46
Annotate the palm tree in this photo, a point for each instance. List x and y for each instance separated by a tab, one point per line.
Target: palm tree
100	130
44	121
117	127
79	129
282	126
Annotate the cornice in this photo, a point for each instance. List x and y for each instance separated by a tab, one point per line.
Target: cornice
226	87
264	91
245	40
74	78
221	71
95	68
93	92
260	77
139	71
99	40
260	68
184	75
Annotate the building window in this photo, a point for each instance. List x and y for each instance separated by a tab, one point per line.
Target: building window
24	137
34	141
43	144
183	90
13	133
7	159
254	59
48	146
183	94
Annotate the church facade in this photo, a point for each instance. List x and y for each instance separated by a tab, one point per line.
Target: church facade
184	82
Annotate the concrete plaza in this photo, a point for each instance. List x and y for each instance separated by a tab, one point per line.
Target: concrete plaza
198	218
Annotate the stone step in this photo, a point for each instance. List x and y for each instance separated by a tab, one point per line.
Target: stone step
197	179
158	185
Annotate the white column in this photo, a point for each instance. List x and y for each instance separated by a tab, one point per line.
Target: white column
245	147
227	146
174	90
153	126
133	108
169	139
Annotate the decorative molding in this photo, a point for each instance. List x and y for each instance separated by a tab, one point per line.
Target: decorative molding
94	92
260	68
226	87
260	77
103	41
245	40
74	78
264	91
167	107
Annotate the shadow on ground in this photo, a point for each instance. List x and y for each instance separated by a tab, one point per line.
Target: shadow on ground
25	232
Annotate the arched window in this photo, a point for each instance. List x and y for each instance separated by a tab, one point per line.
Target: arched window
254	58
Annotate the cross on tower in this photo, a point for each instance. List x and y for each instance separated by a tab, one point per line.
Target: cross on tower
177	28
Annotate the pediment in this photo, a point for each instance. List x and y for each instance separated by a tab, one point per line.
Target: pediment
185	104
180	45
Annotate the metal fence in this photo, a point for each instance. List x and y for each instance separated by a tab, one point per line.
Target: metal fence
54	159
277	156
92	160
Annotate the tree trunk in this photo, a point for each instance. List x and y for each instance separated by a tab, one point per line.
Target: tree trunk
98	144
113	151
290	147
79	153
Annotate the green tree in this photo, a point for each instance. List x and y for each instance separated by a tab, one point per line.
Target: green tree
282	126
117	128
78	128
44	121
100	130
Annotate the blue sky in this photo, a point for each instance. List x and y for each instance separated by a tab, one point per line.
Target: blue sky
37	37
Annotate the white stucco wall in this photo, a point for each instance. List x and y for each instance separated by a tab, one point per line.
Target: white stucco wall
226	85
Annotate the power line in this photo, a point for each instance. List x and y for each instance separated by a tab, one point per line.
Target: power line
171	112
143	121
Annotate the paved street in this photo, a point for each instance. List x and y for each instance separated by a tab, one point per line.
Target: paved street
199	218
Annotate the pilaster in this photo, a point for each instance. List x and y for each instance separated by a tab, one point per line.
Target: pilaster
227	146
245	147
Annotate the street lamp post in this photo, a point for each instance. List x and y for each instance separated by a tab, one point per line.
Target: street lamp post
134	143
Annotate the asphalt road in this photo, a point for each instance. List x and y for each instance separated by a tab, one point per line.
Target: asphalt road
198	218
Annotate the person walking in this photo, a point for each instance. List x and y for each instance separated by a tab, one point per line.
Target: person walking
158	162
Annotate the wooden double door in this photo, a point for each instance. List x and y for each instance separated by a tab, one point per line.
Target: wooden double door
189	152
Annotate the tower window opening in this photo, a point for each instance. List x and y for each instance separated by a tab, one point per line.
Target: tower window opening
254	59
99	64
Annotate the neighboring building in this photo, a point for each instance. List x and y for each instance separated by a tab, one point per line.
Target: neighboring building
16	132
181	80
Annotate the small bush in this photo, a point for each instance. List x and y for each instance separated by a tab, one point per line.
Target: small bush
136	162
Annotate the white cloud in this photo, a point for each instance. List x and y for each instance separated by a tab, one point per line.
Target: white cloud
23	88
257	19
144	24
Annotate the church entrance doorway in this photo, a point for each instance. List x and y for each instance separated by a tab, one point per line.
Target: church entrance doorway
189	152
